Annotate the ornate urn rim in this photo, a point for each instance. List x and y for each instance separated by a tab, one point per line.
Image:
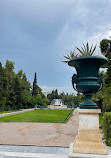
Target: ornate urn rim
101	60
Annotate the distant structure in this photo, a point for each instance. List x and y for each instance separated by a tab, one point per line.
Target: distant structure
57	104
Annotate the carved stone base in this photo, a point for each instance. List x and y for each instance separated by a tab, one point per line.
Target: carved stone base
88	139
72	154
89	142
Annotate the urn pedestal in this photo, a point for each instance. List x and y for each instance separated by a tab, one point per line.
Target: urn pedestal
88	140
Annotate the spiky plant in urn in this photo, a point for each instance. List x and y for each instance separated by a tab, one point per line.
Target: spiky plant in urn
88	79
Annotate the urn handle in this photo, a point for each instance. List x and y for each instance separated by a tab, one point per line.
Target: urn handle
74	81
100	81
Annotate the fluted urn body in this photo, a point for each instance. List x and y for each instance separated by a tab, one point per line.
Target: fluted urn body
88	80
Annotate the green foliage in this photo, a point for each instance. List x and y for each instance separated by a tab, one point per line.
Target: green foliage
39	99
78	99
38	116
108	73
15	89
84	51
46	101
105	47
53	95
71	56
98	99
107	98
36	89
103	98
100	119
2	102
107	128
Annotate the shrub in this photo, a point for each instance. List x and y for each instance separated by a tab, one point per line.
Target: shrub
8	108
107	128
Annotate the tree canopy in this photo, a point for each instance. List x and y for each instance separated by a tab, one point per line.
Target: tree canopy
16	91
103	98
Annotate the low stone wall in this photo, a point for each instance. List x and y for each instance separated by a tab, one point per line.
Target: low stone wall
52	107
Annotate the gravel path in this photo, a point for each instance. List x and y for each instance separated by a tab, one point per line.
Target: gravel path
16	112
40	134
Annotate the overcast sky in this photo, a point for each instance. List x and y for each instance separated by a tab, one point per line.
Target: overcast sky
36	34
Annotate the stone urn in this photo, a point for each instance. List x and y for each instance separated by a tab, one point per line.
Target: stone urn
88	80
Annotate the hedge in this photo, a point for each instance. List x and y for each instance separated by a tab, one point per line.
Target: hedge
107	128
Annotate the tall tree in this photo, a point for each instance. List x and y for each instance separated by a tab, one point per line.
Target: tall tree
105	46
53	95
10	75
23	91
2	97
15	89
18	91
1	79
35	90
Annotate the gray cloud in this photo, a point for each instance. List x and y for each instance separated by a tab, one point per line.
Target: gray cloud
88	19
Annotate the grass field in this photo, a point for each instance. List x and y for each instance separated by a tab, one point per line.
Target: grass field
52	116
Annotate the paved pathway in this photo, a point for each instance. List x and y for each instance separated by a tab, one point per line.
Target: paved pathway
32	152
8	151
16	112
47	135
42	134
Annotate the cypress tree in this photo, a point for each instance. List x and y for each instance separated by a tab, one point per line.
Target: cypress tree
35	89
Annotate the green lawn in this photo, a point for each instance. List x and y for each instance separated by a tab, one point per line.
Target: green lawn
38	116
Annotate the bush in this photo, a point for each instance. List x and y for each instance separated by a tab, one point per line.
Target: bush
8	108
2	109
14	108
107	128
